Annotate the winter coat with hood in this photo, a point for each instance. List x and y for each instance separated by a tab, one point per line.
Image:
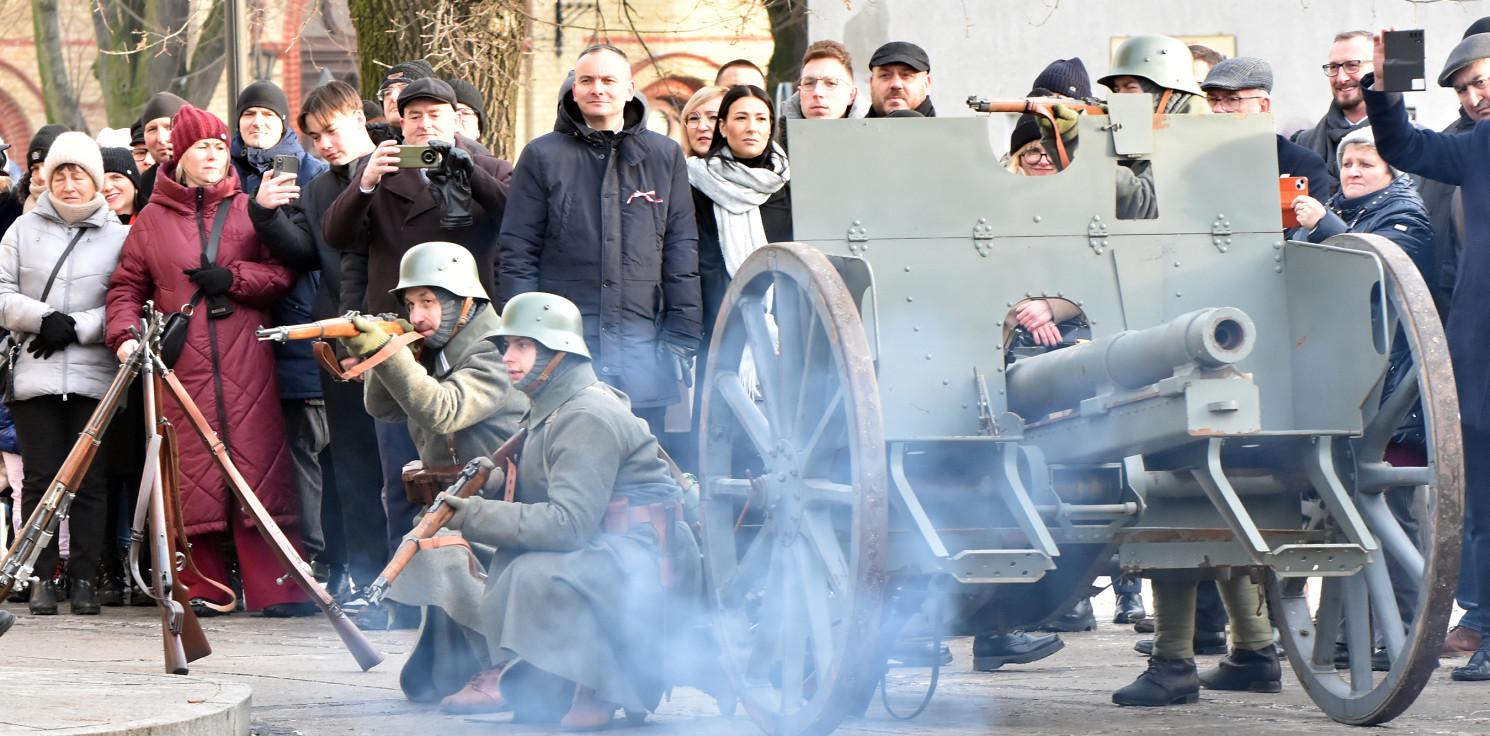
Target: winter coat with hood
295	364
606	220
228	373
28	253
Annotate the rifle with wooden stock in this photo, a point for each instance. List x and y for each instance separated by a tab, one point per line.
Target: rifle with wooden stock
294	565
334	327
468	483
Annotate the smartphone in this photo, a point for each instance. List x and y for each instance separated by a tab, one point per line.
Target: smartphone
1289	189
1404	61
286	164
417	157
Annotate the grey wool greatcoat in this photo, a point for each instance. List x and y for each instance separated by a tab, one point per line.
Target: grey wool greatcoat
461	408
565	600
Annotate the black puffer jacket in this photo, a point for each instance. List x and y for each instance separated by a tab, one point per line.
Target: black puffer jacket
606	220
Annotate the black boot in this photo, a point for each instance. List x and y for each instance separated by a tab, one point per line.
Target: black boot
340	583
1247	670
1165	682
84	598
1079	618
44	598
1478	668
1129	609
1205	642
7	619
111	581
991	652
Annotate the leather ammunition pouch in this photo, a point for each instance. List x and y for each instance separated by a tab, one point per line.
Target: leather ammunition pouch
422	484
621	516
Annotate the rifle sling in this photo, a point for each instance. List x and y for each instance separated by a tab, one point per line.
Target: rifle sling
394	344
451	540
175	518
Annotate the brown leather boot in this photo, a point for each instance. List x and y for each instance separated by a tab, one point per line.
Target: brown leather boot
588	713
480	695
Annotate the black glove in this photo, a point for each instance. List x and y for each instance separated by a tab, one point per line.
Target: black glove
680	358
57	332
212	279
450	185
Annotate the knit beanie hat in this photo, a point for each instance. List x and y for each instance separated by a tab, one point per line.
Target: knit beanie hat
1066	77
467	94
371	110
37	152
161	105
191	125
407	71
121	161
136	133
1361	136
111	137
76	148
263	94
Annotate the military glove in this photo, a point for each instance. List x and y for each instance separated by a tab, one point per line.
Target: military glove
461	508
1065	122
369	338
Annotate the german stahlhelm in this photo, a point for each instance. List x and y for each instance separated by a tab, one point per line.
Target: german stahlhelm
446	265
1162	60
548	319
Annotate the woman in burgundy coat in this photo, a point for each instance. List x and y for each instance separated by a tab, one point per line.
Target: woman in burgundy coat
227	372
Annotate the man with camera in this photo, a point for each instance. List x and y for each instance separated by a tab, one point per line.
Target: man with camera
432	189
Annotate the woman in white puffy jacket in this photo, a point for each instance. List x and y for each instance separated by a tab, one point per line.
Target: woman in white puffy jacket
55	264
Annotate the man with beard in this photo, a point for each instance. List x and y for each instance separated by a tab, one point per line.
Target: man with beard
1350	59
900	79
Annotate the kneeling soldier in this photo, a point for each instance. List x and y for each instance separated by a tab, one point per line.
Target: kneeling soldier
573	604
459	405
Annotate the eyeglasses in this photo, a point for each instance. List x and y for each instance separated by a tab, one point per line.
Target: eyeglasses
1350	67
1033	156
464	110
391	90
695	118
828	83
1478	83
1231	103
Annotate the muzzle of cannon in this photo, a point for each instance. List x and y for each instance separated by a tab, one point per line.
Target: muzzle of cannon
1206	339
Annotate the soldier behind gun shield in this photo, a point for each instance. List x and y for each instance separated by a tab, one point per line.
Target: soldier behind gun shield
570	619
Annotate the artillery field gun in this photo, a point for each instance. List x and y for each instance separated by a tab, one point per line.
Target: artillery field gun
1226	418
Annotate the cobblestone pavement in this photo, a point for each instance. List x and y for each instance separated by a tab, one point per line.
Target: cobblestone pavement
304	682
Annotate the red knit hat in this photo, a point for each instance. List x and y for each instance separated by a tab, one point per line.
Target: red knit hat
190	125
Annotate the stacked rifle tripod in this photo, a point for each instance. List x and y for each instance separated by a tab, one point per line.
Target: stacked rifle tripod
157	519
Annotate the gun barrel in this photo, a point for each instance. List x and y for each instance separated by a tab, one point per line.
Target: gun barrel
277	334
1209	338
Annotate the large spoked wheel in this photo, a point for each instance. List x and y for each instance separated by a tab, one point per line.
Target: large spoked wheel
793	498
1362	612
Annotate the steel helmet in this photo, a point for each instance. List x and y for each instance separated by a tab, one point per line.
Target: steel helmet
548	319
446	265
1162	60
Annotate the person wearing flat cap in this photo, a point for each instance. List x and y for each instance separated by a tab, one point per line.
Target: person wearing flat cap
1461	160
1445	210
387	210
1244	85
900	79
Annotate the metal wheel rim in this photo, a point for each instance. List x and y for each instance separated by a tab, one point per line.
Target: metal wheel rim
1356	695
838	597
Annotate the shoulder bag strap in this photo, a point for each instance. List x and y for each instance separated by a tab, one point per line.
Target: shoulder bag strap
209	243
58	268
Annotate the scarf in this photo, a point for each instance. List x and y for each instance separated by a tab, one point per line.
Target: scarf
738	191
72	214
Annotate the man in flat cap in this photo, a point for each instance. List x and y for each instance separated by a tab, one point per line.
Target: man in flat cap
900	79
1462	160
1470	62
1245	85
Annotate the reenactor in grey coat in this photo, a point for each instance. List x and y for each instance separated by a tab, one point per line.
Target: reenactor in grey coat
572	606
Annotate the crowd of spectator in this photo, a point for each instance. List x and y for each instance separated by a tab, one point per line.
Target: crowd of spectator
249	225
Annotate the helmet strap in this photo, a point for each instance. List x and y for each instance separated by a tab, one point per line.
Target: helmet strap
465	316
1164	101
544	376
